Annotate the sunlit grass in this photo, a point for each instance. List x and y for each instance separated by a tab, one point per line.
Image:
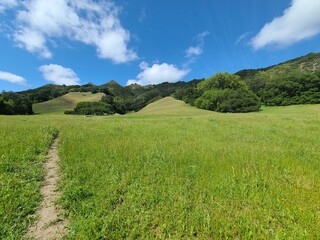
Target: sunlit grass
184	174
23	145
211	176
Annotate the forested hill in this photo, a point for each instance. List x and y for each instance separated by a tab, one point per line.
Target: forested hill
293	82
304	64
255	78
51	91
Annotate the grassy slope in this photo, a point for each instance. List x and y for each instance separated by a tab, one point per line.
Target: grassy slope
171	106
66	102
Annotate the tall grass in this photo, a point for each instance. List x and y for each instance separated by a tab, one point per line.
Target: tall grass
178	174
23	146
204	176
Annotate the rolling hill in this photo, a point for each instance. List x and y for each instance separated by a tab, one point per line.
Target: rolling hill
66	102
296	81
171	106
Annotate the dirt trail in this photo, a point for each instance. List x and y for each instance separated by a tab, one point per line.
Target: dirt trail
50	224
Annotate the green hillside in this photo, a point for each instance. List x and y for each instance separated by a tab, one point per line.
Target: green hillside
171	106
66	102
294	82
307	63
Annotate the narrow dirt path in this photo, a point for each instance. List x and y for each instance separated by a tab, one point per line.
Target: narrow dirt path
50	224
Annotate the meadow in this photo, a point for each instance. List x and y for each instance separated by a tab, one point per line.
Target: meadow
170	171
23	147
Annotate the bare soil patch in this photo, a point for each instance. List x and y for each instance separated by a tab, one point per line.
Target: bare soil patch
50	225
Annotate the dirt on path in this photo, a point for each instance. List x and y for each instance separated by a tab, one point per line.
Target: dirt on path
50	225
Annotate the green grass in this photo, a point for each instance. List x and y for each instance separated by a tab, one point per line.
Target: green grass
66	102
211	176
179	172
23	146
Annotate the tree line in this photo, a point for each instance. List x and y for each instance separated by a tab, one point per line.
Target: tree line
294	82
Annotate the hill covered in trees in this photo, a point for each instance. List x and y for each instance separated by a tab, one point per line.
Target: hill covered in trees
293	82
122	99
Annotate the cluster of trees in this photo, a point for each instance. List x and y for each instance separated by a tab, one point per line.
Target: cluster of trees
12	103
223	92
92	108
299	88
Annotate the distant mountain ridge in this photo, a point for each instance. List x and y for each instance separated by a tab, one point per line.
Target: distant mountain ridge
296	81
304	64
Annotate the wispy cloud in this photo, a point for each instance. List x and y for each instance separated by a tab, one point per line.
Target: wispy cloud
143	14
194	51
197	50
243	37
299	22
59	75
158	73
12	78
90	22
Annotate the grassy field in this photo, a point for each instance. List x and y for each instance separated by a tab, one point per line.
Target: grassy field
23	146
66	102
172	171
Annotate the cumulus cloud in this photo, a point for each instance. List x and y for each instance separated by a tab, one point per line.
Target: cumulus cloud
299	22
6	4
94	23
12	78
158	73
197	50
59	75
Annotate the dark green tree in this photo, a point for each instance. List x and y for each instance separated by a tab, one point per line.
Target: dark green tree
225	92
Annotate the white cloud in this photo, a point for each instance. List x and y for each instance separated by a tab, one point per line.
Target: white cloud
9	77
158	73
94	23
299	22
32	41
197	50
6	4
59	75
194	51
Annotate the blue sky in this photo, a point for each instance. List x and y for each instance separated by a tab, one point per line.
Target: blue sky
148	41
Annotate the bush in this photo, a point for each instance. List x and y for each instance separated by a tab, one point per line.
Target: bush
92	108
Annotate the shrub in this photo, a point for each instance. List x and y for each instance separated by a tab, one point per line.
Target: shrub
92	108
